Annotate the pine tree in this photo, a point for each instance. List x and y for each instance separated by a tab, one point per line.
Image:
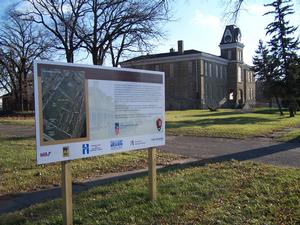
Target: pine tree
264	69
283	47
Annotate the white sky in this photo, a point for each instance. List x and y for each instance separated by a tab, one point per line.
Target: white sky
200	24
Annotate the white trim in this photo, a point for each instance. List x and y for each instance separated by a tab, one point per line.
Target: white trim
232	45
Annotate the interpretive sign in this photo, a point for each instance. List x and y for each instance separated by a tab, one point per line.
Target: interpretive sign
83	111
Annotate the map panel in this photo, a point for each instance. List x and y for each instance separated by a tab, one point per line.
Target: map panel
85	111
63	104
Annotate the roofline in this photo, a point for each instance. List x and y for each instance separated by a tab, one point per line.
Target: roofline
176	58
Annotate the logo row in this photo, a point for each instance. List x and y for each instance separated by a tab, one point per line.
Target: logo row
89	148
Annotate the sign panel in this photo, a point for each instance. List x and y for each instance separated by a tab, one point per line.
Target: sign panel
83	111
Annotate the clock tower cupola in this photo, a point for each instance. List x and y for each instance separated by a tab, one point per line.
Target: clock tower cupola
231	46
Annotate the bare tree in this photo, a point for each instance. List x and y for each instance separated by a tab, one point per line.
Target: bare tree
117	24
61	18
140	34
21	42
234	7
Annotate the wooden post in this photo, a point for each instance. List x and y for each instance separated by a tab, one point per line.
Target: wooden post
66	178
152	173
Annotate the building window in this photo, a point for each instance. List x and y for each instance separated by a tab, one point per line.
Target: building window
221	72
205	69
217	71
209	71
225	72
157	67
190	67
172	70
239	75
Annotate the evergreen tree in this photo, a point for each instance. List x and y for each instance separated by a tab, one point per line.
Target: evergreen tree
283	47
264	69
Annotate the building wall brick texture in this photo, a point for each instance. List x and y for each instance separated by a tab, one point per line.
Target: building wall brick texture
195	79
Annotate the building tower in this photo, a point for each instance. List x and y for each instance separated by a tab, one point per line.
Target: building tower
232	49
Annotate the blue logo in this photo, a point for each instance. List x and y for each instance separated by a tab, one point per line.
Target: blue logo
85	149
116	144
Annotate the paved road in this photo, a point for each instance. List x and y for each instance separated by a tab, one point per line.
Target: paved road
210	149
201	148
219	149
14	131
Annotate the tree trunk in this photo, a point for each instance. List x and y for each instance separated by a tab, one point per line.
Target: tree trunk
291	112
292	108
279	105
70	56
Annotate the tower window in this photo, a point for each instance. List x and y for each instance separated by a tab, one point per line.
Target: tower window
229	54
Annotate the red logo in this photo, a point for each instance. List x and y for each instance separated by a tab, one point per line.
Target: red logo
158	124
117	128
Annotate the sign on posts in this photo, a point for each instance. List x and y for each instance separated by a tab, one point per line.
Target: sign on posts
84	111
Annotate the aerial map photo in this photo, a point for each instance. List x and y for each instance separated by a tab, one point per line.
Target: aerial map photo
63	100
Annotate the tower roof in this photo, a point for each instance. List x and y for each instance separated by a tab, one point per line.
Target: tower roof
232	34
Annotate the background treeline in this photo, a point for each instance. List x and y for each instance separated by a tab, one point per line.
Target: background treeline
103	30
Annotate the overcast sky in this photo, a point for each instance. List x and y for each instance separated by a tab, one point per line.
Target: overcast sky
200	24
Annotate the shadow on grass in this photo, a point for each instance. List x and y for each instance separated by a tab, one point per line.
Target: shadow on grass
10	203
217	121
270	111
215	114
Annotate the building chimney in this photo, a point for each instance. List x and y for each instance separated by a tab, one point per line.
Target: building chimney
172	50
180	47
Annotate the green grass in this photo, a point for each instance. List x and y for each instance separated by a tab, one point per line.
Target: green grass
222	193
227	123
292	136
19	171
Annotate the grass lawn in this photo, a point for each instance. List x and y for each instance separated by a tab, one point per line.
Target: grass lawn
222	193
292	136
223	123
227	123
19	172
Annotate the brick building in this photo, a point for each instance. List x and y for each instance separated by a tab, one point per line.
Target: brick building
196	79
